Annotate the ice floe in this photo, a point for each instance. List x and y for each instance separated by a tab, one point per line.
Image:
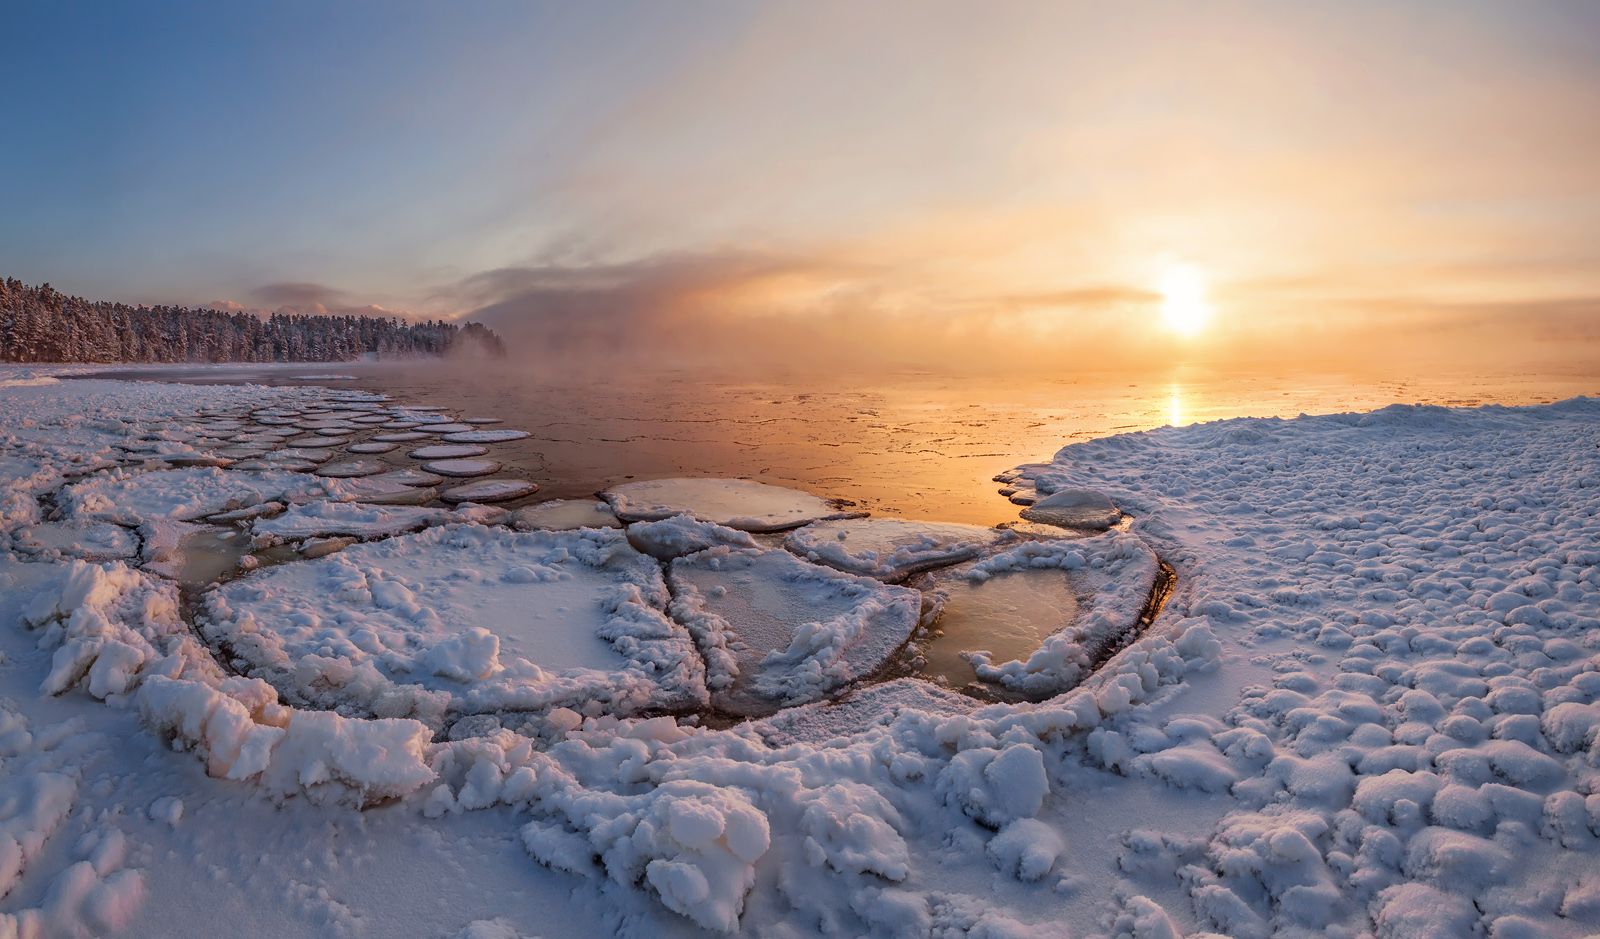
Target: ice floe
448	451
485	436
735	503
464	618
185	494
890	548
777	630
325	519
564	514
682	534
1074	508
347	468
466	467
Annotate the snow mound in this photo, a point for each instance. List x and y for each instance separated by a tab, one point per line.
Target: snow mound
735	503
891	549
467	619
777	630
565	514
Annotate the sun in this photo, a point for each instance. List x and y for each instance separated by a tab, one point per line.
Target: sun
1184	307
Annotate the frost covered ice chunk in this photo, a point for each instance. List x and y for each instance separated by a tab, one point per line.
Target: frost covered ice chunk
490	490
735	503
325	519
464	618
891	548
1074	508
778	630
565	514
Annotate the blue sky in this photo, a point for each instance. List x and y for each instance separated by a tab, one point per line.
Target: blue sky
964	168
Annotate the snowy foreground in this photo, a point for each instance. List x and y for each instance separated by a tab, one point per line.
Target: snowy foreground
1371	706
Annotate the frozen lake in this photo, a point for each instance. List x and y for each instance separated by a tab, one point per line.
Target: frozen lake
921	446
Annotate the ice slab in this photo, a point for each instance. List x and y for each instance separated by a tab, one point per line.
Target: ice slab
565	514
490	490
325	519
683	534
186	494
447	451
777	630
891	548
463	467
736	503
485	436
347	468
371	446
1074	508
464	619
92	541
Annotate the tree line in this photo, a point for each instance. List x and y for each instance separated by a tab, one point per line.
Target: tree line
41	324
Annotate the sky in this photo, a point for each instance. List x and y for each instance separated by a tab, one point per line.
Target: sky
1000	184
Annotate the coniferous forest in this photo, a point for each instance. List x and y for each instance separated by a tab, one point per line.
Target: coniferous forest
41	324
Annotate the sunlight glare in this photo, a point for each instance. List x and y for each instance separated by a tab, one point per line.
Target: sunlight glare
1184	307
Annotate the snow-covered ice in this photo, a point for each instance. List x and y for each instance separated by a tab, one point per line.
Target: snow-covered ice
447	451
485	436
735	503
891	548
323	519
490	490
778	630
462	467
463	619
563	514
1074	508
